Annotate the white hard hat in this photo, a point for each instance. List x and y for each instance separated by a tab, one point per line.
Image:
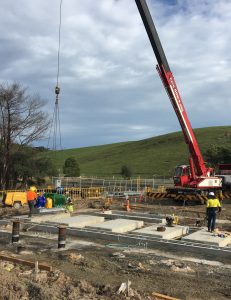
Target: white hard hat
211	194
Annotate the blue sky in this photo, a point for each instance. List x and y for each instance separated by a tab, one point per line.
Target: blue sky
110	90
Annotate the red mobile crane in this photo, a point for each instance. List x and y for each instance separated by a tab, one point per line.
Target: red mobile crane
196	176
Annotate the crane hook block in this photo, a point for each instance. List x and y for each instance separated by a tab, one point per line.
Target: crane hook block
57	90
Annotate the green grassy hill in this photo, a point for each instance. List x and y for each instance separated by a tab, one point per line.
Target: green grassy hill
158	155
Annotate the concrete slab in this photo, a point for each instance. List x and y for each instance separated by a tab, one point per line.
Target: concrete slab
219	221
107	212
81	221
78	221
138	214
142	218
118	225
147	218
169	233
39	212
203	236
54	210
51	218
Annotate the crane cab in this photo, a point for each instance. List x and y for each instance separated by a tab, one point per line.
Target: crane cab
182	175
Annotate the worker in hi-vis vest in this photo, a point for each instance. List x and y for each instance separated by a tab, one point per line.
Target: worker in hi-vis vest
213	206
31	199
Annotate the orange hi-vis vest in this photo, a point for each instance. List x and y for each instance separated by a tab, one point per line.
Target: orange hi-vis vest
31	196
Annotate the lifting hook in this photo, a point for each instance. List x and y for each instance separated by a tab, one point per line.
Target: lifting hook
57	91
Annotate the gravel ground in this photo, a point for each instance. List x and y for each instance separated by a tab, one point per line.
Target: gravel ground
97	271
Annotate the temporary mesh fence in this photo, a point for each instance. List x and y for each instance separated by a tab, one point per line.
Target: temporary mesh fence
111	184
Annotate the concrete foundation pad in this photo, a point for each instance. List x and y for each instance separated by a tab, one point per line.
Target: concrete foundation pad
78	221
169	233
147	218
137	214
203	236
118	225
51	218
107	212
81	220
54	210
219	221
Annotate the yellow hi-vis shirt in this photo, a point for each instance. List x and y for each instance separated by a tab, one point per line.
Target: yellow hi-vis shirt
69	207
212	203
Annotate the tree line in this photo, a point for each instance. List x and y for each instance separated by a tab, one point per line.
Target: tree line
23	120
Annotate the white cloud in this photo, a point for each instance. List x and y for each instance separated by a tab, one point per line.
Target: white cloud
110	90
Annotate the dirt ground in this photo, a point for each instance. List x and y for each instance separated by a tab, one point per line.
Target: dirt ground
96	270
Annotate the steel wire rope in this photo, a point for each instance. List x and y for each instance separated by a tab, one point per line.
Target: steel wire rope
59	39
55	123
51	126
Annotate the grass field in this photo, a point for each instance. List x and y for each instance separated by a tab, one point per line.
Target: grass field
154	156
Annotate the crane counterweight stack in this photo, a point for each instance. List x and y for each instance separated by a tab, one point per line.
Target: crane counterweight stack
196	175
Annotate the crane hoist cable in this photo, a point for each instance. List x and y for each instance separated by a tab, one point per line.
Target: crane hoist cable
57	88
55	124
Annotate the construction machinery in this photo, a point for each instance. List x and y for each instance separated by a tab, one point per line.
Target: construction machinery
224	172
195	177
15	199
172	220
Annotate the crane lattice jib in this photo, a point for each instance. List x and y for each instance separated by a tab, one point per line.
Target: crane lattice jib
171	88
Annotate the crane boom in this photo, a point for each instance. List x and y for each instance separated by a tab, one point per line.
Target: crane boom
171	88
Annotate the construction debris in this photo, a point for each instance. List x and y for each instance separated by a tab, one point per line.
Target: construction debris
95	255
157	296
25	262
118	255
125	288
74	257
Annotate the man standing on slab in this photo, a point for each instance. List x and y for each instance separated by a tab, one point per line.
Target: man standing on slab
213	206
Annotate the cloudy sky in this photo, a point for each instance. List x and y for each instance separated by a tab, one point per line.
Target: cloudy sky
110	90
